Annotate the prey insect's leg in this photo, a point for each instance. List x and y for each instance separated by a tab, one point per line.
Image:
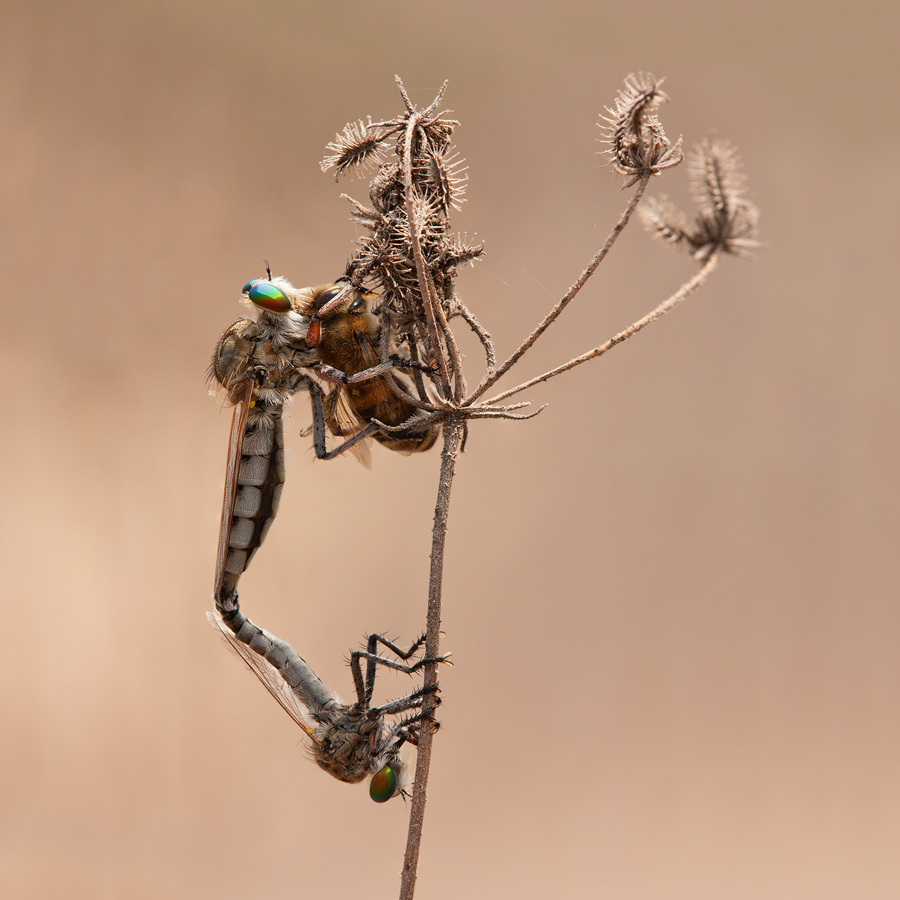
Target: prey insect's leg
329	373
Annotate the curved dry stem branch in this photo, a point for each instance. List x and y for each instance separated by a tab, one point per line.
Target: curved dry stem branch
426	284
687	288
481	333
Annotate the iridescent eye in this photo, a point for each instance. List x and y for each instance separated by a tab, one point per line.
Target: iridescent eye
383	785
246	288
267	296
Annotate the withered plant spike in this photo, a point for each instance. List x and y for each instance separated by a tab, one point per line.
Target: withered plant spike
665	221
358	146
638	143
684	291
726	219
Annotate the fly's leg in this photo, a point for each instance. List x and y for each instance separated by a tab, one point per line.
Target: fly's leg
412	701
364	688
407	730
317	399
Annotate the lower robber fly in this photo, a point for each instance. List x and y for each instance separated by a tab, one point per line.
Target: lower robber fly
349	741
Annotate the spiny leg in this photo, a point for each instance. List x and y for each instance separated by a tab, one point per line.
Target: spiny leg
411	701
408	729
394	361
364	689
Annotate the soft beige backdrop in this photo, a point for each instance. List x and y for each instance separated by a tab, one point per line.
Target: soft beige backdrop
672	598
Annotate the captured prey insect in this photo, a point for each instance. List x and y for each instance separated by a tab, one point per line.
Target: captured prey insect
349	741
348	341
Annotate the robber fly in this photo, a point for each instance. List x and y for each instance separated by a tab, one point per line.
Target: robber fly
349	741
261	363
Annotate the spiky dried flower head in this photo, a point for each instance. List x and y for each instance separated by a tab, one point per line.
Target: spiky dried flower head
726	221
437	177
358	146
638	143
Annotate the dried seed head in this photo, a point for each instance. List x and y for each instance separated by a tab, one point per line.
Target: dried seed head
664	220
726	220
458	253
638	143
443	176
359	145
360	214
386	190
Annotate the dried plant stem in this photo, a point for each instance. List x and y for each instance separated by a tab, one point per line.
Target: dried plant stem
453	432
687	288
434	314
554	313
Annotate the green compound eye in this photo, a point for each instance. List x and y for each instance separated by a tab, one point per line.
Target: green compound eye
267	296
246	288
383	785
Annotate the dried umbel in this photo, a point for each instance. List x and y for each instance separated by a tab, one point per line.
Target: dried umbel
413	258
726	220
638	143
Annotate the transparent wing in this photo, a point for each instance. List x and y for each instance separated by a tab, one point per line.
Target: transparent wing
343	422
269	676
232	466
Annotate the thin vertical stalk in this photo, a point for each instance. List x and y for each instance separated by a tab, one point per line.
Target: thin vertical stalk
453	431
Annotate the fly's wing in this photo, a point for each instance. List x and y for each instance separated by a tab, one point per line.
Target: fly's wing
232	468
253	482
343	422
270	677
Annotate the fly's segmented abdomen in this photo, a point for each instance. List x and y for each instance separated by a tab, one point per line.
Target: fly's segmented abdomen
260	480
290	666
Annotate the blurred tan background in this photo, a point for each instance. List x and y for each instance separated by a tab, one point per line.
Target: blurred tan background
672	598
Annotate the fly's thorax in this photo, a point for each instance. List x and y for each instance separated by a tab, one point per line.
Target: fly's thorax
350	748
233	354
246	352
344	741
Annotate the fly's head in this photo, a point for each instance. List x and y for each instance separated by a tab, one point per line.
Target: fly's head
388	768
282	315
389	779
